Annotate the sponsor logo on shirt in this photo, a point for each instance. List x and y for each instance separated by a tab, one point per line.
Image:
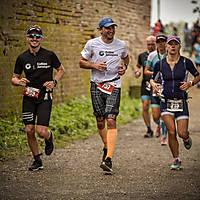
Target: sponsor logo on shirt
39	66
43	65
28	66
107	53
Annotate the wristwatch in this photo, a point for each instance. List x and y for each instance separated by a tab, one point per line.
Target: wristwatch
192	83
55	82
126	65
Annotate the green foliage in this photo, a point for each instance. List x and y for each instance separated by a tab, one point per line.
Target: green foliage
68	121
129	109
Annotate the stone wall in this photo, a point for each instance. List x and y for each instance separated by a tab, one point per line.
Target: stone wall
67	25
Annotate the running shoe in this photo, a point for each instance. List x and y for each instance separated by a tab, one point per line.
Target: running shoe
49	145
148	134
187	143
163	141
176	165
37	165
157	132
104	154
107	165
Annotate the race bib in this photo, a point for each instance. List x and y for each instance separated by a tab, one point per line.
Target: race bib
175	105
148	86
105	87
31	92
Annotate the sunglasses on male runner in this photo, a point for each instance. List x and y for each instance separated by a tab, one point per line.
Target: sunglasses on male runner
34	35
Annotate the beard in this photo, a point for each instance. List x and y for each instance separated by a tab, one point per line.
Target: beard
108	37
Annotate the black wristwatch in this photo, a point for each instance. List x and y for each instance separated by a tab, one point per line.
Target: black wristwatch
192	83
55	82
126	65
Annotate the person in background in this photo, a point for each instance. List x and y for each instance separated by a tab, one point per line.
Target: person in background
196	53
37	63
187	38
162	28
174	105
174	31
108	59
167	30
145	85
154	57
157	28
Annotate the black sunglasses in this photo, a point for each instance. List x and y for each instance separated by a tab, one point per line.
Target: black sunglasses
34	35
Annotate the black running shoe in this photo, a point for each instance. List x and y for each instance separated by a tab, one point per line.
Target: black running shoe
49	145
107	165
37	165
148	134
104	154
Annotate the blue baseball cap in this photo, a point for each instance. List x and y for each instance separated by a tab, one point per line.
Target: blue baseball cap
106	22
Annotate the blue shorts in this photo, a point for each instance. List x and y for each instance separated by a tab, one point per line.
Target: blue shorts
178	115
145	97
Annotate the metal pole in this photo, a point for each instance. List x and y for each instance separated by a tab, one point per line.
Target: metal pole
158	6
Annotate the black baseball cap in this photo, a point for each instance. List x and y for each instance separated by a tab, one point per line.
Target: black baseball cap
161	37
35	28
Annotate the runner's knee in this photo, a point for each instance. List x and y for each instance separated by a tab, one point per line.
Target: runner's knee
145	107
100	123
30	131
111	123
42	131
183	134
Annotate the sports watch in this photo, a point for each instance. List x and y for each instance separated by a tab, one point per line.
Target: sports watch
55	82
192	83
126	65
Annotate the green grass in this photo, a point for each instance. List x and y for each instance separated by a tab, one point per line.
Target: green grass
69	121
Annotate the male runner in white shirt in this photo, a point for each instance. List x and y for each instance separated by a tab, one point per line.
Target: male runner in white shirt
107	57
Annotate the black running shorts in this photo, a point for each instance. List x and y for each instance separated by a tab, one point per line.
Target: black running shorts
105	105
144	91
33	109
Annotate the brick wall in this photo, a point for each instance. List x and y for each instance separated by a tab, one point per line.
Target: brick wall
67	25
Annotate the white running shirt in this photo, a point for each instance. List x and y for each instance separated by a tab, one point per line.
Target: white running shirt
97	51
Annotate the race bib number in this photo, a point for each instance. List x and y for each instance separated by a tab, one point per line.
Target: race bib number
148	86
31	92
175	105
105	87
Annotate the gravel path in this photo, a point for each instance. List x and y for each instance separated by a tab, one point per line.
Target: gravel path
141	169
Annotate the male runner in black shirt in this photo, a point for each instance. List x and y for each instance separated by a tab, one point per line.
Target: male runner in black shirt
37	64
145	85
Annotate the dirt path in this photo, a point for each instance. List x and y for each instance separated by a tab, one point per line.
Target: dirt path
141	169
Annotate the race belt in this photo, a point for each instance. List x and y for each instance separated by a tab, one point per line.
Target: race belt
31	92
175	105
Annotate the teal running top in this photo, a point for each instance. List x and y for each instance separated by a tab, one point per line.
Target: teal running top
153	58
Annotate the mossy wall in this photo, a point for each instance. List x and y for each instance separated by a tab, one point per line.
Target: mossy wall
67	25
